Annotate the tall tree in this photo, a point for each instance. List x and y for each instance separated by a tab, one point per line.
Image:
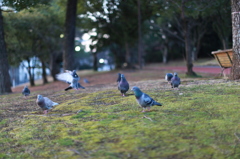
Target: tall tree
140	62
235	71
186	15
5	82
221	22
70	22
5	77
118	20
26	37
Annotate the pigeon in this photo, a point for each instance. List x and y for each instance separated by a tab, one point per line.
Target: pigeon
168	77
123	85
119	77
45	103
175	81
86	80
26	91
144	100
71	78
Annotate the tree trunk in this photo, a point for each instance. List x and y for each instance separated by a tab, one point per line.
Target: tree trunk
68	54
225	43
235	71
54	66
198	48
44	73
139	37
117	58
30	73
165	53
5	81
117	61
127	57
188	52
95	62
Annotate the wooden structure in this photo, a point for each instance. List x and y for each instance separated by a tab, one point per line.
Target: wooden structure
224	58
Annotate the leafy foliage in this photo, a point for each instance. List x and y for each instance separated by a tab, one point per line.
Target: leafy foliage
24	4
34	33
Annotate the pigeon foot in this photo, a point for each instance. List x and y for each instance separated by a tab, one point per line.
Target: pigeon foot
45	112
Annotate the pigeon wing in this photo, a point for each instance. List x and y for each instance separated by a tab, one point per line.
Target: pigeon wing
25	91
65	77
147	99
48	103
123	86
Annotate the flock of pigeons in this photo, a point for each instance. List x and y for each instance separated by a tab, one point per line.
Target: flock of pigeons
71	77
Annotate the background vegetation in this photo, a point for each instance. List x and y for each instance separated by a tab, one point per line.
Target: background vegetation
116	26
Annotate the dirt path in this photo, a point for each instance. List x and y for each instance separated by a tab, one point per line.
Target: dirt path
198	69
150	72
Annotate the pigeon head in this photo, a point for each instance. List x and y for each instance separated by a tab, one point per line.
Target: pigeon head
74	74
25	86
122	77
39	97
136	91
175	74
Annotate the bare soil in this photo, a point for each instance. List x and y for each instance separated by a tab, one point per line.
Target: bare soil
99	79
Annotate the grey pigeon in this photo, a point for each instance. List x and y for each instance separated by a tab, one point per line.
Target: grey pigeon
71	78
26	91
86	80
144	100
45	103
175	81
119	77
123	85
168	77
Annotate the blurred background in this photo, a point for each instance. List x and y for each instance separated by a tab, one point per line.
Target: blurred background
111	34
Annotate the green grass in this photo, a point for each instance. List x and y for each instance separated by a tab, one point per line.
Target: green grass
197	121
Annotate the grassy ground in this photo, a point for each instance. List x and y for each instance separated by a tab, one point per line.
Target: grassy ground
201	120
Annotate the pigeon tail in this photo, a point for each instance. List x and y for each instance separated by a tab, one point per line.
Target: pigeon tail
80	86
166	78
68	88
54	103
158	104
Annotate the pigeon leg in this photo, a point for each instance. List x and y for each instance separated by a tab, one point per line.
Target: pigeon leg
123	95
149	109
143	110
45	112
